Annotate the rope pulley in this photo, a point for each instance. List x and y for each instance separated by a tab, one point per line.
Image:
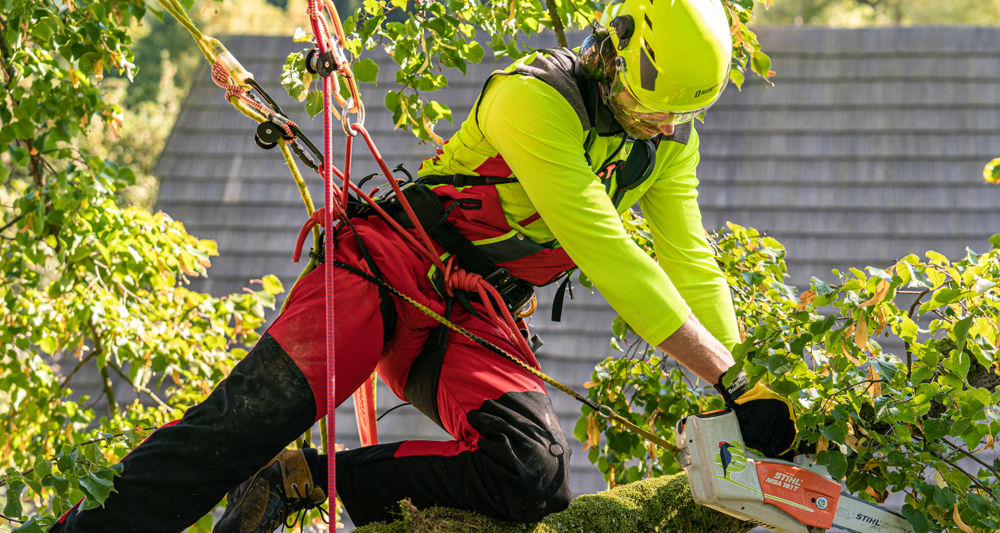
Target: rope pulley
268	134
321	64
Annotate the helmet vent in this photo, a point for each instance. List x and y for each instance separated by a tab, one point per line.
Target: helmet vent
649	23
647	71
648	49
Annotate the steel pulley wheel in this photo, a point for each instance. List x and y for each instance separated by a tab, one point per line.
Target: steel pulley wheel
268	134
311	61
265	145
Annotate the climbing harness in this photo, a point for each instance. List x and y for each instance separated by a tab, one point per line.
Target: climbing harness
464	274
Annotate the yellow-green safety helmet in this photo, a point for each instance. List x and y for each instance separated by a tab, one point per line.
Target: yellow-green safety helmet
673	55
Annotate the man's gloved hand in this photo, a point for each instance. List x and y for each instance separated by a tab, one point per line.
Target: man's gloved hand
766	419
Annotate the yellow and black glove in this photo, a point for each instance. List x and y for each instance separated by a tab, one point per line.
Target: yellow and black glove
766	419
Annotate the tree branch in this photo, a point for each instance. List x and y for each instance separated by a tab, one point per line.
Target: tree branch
557	24
972	456
12	222
139	388
974	479
5	54
906	345
78	366
109	391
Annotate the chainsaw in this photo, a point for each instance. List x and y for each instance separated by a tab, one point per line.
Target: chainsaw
787	497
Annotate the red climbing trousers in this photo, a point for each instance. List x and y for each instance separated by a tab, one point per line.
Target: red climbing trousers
508	458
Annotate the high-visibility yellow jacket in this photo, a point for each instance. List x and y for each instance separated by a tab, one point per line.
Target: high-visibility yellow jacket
529	123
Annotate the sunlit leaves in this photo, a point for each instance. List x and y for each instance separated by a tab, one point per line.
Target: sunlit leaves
86	280
991	172
426	39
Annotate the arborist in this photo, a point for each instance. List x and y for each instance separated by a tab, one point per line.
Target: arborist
532	185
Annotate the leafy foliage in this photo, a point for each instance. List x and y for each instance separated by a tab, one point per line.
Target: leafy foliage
910	422
87	282
424	38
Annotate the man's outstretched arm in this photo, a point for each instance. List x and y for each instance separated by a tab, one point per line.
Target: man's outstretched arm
698	350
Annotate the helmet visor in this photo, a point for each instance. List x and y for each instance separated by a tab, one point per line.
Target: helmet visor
623	98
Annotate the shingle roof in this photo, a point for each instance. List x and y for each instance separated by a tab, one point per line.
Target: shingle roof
870	146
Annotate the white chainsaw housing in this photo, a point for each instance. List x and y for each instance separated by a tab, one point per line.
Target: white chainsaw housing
735	490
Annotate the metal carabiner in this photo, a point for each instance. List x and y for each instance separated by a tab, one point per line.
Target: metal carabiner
345	116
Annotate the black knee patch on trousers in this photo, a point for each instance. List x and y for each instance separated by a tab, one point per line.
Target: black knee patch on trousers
519	472
182	471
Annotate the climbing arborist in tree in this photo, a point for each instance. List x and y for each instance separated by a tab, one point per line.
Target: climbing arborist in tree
531	186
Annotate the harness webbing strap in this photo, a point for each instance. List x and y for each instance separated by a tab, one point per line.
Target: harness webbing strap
430	212
462	180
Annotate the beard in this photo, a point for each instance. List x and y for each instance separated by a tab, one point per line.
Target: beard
634	128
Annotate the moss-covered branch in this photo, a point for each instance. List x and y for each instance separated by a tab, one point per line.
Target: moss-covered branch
661	504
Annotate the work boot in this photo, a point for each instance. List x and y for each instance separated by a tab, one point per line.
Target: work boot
264	502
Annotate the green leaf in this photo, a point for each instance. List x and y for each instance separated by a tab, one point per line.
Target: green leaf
934	428
474	52
919	277
96	488
13	506
958	363
835	432
978	504
365	69
737	77
908	329
916	519
961	332
392	103
437	110
942	297
819	328
836	463
314	103
822	288
798	345
272	284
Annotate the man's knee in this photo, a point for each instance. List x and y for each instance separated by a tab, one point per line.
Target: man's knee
527	453
544	486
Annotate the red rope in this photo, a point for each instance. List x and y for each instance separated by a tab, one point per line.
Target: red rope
221	78
328	171
335	208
